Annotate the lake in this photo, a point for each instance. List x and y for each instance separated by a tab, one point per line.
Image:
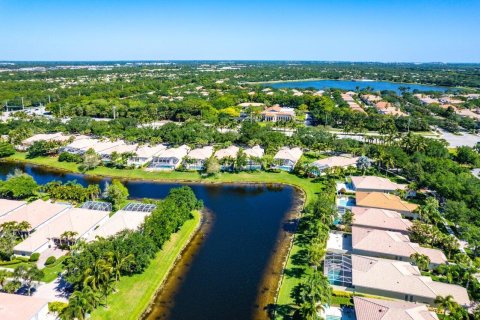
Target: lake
352	85
231	269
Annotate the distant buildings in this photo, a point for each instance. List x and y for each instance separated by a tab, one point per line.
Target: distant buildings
277	113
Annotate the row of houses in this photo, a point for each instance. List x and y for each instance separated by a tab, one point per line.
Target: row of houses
376	257
161	157
48	221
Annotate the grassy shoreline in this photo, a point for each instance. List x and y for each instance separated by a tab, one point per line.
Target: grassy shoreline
135	294
310	188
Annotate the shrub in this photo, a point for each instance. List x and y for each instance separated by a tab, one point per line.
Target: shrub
34	257
50	260
56	306
69	157
6	149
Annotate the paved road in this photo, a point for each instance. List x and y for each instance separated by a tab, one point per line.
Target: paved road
464	139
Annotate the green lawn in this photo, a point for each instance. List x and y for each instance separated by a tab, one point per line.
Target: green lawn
135	293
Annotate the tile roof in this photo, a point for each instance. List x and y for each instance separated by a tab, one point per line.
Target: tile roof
336	162
121	220
380	219
379	309
201	153
7	206
19	307
227	152
375	183
292	154
383	201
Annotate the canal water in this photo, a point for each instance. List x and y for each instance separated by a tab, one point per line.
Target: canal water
352	85
231	269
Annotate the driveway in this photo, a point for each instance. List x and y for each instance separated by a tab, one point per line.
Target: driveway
53	291
463	139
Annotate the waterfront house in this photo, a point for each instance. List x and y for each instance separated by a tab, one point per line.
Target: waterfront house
49	137
391	245
277	113
169	159
319	166
286	158
22	307
144	154
400	280
129	218
122	148
386	201
195	160
36	213
102	146
79	220
227	157
382	309
380	219
79	145
254	158
7	206
388	109
375	184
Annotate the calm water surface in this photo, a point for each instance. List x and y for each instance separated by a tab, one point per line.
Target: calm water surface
226	271
352	85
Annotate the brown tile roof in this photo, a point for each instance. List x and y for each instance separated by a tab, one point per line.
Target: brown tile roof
383	201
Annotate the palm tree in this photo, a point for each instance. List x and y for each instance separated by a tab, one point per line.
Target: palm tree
12	286
445	304
420	260
79	305
23	228
4	274
119	262
308	311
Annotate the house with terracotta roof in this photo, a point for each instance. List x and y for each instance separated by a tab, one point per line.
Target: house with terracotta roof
387	108
277	113
386	201
195	160
382	309
381	219
400	280
20	307
286	158
321	165
375	184
391	245
169	159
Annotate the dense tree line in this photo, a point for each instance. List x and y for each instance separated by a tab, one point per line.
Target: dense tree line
94	268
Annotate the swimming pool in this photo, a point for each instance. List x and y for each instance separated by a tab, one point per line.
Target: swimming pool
346	202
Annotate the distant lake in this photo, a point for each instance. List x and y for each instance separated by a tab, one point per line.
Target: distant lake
352	85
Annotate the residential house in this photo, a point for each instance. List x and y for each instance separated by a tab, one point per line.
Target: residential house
79	146
195	160
388	109
254	157
386	201
144	154
380	219
57	137
227	157
7	206
391	245
321	165
125	219
22	307
400	280
286	158
169	159
375	184
383	309
122	148
36	213
277	113
78	220
425	99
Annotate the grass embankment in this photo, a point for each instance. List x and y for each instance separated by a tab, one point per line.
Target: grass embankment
135	293
295	267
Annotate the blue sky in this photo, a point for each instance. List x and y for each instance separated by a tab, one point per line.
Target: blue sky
339	30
